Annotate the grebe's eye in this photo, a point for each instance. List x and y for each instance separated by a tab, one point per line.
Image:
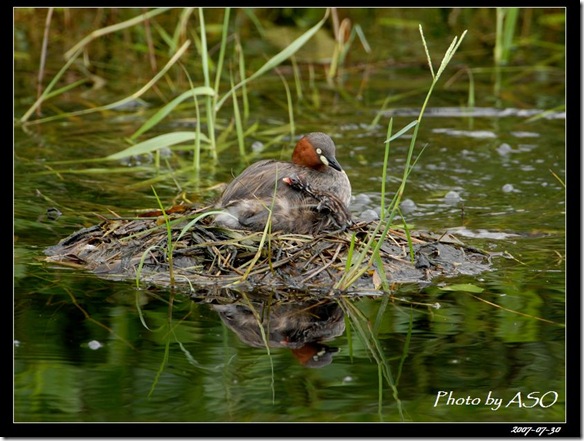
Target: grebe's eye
318	151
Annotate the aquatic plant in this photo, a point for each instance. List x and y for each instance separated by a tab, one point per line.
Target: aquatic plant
355	269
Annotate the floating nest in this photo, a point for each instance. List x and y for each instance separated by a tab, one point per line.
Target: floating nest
205	255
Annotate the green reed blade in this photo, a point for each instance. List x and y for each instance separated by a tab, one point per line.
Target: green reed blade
113	28
168	108
156	143
278	58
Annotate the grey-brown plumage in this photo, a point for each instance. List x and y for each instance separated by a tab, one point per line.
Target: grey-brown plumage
259	189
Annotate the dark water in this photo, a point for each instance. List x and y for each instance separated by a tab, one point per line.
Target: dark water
93	350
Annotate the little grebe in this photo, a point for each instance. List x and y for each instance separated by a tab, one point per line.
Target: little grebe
305	195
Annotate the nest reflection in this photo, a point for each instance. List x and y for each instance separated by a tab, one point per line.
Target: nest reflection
301	326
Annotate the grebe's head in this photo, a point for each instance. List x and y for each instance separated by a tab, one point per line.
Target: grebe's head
317	151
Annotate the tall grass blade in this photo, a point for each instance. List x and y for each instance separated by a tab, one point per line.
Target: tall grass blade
400	132
238	123
506	19
359	31
209	102
141	263
508	32
505	27
471	90
241	57
290	106
157	143
188	226
169	244
408	236
113	28
66	88
297	79
265	233
278	58
24	118
350	252
371	248
445	60
180	30
197	146
169	107
222	48
114	105
393	99
43	56
385	165
197	153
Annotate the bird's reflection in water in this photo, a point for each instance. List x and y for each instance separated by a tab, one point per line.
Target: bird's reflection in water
301	326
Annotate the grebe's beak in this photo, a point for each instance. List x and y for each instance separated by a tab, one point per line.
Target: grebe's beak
331	162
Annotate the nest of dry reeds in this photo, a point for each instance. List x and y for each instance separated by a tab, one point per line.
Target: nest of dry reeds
206	255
